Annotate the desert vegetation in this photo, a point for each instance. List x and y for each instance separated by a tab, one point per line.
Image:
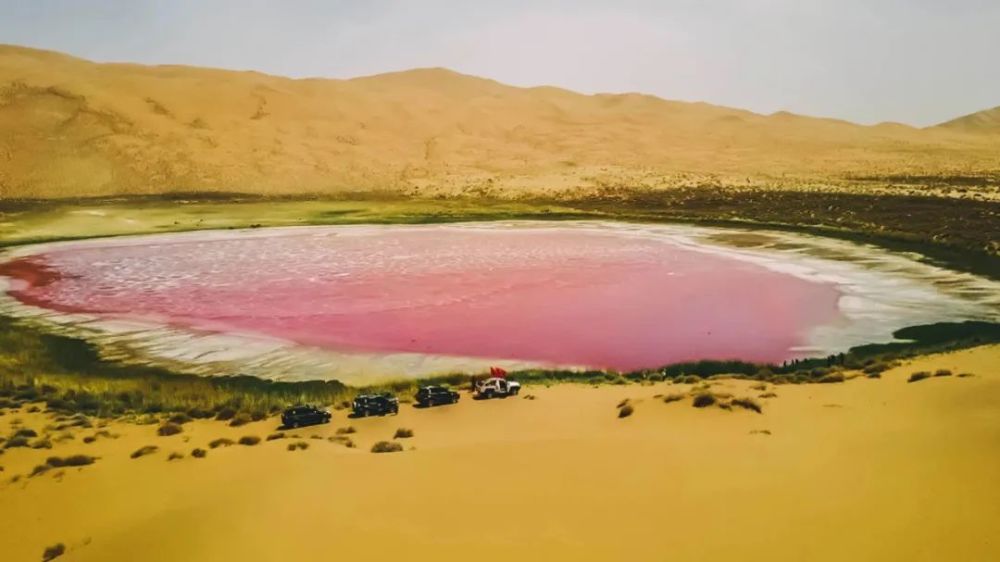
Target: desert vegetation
403	433
144	451
387	447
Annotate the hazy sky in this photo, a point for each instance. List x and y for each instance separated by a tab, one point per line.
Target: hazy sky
914	61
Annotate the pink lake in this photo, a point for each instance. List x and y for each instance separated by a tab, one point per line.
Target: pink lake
554	295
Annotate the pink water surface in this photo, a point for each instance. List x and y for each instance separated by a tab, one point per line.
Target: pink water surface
594	297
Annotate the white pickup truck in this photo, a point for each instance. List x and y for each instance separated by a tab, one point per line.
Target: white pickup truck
496	387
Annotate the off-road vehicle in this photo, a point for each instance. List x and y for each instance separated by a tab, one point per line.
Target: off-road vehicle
304	415
374	405
435	395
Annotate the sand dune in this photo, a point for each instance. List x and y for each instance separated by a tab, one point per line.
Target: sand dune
864	470
986	122
72	127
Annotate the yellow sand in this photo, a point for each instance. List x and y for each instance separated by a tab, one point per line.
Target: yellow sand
72	127
864	470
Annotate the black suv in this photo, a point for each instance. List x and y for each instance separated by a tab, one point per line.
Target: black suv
374	405
435	395
304	415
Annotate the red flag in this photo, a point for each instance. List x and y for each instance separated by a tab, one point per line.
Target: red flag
498	372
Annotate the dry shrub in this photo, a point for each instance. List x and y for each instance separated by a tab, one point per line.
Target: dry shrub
918	376
53	552
274	436
180	419
703	400
942	373
831	378
143	451
298	445
168	429
768	395
72	460
198	453
403	433
220	442
39	470
387	447
175	456
249	440
747	404
675	397
622	404
964	375
625	411
43	443
346	430
239	419
225	414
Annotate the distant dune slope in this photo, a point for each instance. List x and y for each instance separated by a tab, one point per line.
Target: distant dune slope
986	121
70	127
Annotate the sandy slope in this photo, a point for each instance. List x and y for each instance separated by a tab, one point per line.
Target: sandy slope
72	127
865	470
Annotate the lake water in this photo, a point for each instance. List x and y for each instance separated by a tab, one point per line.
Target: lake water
586	295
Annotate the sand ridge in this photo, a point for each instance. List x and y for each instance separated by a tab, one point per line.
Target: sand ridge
863	470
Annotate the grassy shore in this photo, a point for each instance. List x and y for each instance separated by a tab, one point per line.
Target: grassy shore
70	376
962	234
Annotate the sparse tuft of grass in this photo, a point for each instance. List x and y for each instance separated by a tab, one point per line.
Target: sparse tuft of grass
39	470
831	378
298	445
16	442
346	430
143	451
747	404
675	397
278	435
220	442
964	375
43	443
387	447
225	413
625	411
403	433
768	395
72	460
180	419
703	400
168	429
198	453
175	456
53	552
918	376
942	373
249	440
240	419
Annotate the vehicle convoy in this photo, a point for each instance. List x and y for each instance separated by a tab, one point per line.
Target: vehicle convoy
374	405
304	415
435	396
496	387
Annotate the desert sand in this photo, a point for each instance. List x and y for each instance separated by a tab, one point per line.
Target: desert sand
868	469
71	127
